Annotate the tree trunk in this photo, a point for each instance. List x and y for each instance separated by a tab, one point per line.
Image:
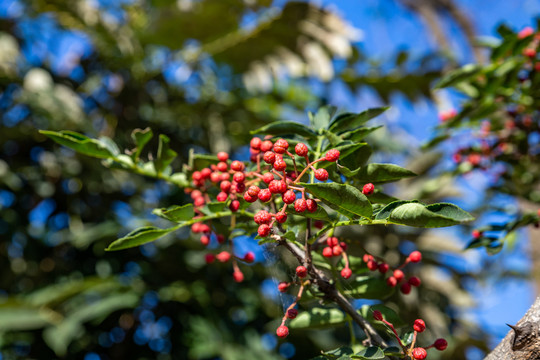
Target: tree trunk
523	341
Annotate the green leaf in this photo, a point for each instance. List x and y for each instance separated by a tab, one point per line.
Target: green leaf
139	237
141	138
165	155
387	210
359	153
393	351
16	316
430	216
464	73
351	164
359	134
81	143
382	173
435	141
371	353
318	318
285	128
176	213
350	121
321	119
368	287
343	198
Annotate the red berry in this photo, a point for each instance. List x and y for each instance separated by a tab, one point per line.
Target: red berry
343	246
292	313
414	281
197	176
222	156
215	177
205	229
311	205
239	187
415	256
383	268
301	271
419	325
238	276
205	173
225	176
300	205
249	257
526	31
269	157
332	155
440	344
195	194
281	146
266	146
249	198
337	250
225	186
237	165
268	177
367	257
301	149
281	217
222	166
332	241
377	315
405	288
419	353
280	164
283	286
368	189
321	174
327	252
529	52
222	196
372	265
346	273
239	177
234	206
391	281
255	143
262	217
220	239
289	197
277	186
399	275
265	195
264	230
199	201
196	228
209	258
282	331
476	234
253	190
205	240
223	256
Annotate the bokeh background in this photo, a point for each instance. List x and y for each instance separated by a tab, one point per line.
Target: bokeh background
205	72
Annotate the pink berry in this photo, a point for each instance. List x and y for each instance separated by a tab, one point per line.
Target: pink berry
282	331
234	206
269	157
223	256
300	205
377	315
249	257
368	189
265	195
399	275
199	201
419	353
196	228
292	313
238	276
414	281
419	325
266	146
237	165
311	205
321	174
332	155
476	234
415	256
391	281
346	273
222	196
255	143
301	271
215	177
283	286
337	250
289	197
222	156
205	240
264	230
440	344
301	149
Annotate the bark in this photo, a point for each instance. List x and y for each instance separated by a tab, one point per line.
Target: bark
523	341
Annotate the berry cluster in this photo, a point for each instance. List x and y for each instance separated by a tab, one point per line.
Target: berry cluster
335	248
291	312
397	275
419	326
